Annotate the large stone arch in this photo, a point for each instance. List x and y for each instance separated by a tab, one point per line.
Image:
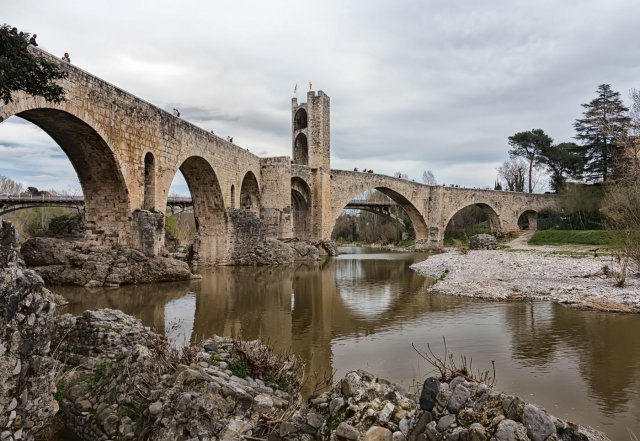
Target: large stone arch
492	215
417	219
105	190
301	204
208	210
250	193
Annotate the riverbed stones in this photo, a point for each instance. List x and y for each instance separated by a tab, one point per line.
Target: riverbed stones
538	423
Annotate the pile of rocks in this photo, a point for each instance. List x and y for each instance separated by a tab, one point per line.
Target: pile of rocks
363	407
124	381
483	242
467	410
26	370
82	263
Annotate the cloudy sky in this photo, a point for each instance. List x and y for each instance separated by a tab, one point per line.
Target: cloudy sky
414	85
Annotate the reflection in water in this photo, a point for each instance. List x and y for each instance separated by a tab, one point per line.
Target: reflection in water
363	310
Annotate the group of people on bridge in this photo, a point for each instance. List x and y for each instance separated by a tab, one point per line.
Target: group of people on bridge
364	170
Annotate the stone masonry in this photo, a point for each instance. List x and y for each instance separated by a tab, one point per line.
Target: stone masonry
127	151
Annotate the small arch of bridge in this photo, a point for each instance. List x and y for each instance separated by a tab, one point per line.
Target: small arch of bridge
301	204
250	193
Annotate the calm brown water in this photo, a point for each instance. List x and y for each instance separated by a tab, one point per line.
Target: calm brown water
364	309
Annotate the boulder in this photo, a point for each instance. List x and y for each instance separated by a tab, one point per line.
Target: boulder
62	262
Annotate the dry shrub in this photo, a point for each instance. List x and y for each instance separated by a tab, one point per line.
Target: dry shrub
450	369
282	370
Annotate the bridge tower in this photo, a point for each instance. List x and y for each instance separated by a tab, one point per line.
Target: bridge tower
311	131
311	150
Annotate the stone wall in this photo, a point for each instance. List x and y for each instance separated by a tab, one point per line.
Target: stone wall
26	369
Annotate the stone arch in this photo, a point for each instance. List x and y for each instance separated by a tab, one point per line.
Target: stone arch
528	220
491	213
301	208
300	121
232	202
250	193
106	195
416	218
208	210
301	150
149	182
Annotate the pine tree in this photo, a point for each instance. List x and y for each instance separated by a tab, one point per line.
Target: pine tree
529	145
604	123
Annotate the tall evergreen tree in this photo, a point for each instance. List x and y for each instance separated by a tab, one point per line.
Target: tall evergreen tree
24	70
528	145
604	123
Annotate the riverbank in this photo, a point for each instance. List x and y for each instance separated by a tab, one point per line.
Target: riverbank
580	280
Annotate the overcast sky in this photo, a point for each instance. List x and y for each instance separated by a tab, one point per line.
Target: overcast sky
414	85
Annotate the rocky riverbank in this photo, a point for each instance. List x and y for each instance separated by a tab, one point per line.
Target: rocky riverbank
580	280
64	262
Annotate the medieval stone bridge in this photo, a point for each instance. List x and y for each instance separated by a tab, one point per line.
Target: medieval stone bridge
127	151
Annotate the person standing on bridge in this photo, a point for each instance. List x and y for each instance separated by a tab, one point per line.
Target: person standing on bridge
66	58
176	113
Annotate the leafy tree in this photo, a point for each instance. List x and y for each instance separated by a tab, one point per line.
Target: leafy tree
22	69
429	178
528	145
33	191
604	123
562	160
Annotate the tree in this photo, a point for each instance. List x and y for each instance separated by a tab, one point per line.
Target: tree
513	173
22	69
562	160
630	140
8	185
429	178
528	145
605	122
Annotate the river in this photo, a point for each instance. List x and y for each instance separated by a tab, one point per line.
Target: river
364	308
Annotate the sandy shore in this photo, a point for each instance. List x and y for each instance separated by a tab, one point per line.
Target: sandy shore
533	275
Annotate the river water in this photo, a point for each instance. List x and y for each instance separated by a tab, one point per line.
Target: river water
364	309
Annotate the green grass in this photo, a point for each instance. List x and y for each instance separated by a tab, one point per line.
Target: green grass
575	237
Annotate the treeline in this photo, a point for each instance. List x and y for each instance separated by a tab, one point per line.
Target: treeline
607	147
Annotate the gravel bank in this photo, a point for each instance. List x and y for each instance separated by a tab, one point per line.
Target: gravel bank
531	275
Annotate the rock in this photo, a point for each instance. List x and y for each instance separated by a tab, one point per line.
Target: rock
377	433
444	422
346	431
430	389
398	436
335	406
315	420
483	242
458	398
385	413
86	264
155	408
538	423
509	430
